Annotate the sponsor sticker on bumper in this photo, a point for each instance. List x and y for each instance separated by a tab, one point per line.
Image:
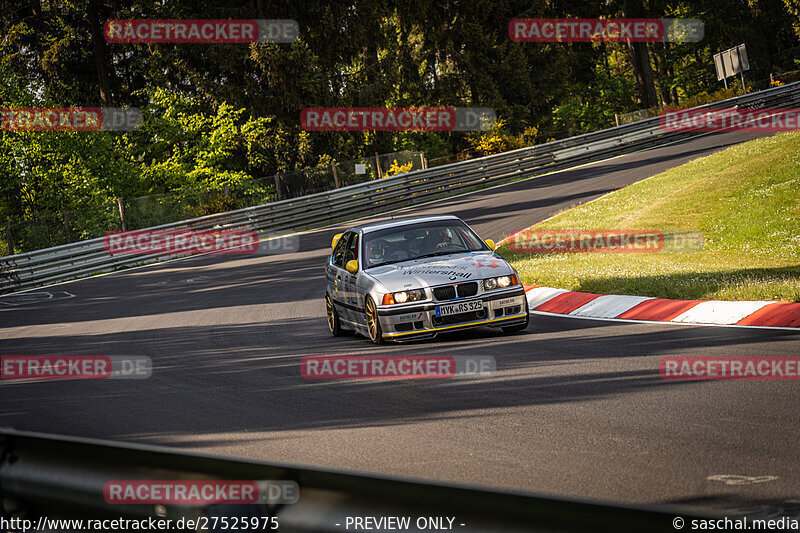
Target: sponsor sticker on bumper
408	317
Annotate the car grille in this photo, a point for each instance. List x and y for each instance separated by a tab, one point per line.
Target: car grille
467	289
463	290
444	293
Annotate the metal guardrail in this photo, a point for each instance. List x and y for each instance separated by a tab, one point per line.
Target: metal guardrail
73	261
64	477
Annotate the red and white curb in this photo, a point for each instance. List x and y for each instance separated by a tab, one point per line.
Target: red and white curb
547	300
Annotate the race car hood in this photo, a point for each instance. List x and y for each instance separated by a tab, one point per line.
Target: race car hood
440	270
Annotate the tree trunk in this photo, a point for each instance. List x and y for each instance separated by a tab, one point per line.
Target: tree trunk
645	84
42	29
640	58
663	74
104	71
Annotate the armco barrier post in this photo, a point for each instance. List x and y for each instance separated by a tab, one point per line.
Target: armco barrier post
9	238
278	188
67	226
335	177
122	214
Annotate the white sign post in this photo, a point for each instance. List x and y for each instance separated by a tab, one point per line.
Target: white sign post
731	62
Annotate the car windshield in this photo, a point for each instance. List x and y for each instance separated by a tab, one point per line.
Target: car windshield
415	241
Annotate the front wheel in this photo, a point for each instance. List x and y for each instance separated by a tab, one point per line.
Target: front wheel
334	326
519	327
373	323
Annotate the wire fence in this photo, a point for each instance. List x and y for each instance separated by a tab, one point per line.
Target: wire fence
736	89
52	229
44	230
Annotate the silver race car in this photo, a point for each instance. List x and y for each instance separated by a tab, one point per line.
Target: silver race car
406	279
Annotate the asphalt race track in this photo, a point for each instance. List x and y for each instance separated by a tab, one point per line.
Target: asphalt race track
577	407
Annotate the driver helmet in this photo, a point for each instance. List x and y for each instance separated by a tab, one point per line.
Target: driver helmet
375	251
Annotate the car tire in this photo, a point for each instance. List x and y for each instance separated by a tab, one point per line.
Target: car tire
519	327
334	325
373	323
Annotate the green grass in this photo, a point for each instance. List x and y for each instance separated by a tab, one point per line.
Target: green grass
745	201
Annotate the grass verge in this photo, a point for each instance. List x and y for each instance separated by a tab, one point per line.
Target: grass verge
745	201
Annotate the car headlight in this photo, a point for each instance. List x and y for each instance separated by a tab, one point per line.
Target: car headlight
402	297
501	281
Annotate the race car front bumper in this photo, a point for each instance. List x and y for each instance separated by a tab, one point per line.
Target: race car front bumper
501	308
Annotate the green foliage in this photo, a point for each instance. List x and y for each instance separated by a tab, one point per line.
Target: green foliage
228	114
499	139
590	107
397	168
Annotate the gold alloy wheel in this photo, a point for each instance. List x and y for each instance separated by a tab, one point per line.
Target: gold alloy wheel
372	322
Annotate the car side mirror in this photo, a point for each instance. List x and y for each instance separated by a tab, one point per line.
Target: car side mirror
336	239
490	244
352	266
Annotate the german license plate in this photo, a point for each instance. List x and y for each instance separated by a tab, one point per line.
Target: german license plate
458	308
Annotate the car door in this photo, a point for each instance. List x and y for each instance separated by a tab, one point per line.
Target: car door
336	274
349	290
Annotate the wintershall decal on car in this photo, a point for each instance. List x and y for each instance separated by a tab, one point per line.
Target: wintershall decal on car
581	30
201	31
436	272
396	367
